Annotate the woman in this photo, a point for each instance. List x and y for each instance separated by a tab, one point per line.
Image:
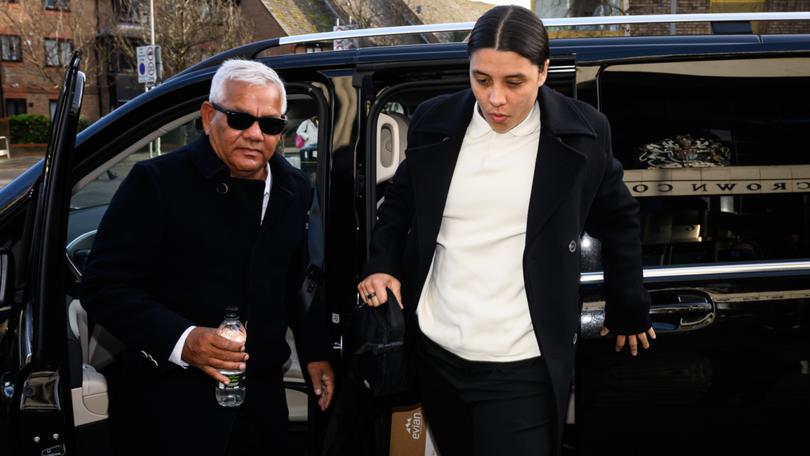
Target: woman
308	134
482	225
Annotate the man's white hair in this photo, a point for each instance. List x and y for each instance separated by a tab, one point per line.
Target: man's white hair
249	71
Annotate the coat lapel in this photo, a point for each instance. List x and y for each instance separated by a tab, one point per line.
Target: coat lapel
431	165
556	170
558	165
212	168
555	173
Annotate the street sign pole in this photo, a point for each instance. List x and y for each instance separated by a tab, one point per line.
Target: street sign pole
148	67
151	69
152	19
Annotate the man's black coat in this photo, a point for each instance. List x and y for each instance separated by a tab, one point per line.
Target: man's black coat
180	241
577	187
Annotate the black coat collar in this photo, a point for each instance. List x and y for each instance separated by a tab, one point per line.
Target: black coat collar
206	160
211	167
557	115
443	127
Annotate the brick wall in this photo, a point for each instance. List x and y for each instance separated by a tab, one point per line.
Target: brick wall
30	78
787	26
717	6
638	7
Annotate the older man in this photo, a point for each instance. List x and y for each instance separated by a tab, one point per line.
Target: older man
217	223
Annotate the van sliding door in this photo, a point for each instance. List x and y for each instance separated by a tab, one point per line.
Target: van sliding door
715	153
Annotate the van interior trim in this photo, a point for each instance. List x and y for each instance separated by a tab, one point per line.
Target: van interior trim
588	278
562	69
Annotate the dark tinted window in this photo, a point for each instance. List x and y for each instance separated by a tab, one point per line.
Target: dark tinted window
57	4
131	11
718	158
57	52
15	106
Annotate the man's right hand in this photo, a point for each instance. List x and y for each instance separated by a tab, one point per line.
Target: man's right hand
210	352
372	289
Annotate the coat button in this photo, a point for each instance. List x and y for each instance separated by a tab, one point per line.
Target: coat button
572	246
222	188
149	358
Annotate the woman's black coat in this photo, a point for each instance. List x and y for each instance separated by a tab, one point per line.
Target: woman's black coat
577	187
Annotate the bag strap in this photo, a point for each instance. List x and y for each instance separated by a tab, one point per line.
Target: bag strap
313	275
395	316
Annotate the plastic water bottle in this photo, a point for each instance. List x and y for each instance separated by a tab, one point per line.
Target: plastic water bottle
232	394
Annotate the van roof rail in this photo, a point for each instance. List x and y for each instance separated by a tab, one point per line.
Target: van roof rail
251	50
549	22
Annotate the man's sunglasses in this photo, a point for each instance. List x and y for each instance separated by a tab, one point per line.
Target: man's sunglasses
242	121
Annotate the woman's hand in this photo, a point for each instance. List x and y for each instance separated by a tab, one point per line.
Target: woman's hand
373	289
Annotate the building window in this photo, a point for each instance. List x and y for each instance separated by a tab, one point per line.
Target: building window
131	11
61	5
57	52
15	106
119	61
10	48
577	8
52	107
581	8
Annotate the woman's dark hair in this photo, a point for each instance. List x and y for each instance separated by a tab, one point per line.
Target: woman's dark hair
511	28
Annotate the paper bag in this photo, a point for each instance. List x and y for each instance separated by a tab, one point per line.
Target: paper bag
410	435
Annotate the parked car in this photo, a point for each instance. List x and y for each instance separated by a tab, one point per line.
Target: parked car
711	129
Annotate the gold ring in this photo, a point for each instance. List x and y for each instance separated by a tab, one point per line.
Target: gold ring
371	295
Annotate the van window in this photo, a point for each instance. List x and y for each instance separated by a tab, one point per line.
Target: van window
716	154
100	190
95	191
300	138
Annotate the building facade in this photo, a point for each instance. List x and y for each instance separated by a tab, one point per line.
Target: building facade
37	38
584	8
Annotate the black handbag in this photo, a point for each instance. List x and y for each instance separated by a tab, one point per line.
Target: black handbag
380	337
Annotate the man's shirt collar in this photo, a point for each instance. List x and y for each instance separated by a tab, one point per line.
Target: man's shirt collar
268	181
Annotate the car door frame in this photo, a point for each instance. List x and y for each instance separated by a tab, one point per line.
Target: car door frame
42	421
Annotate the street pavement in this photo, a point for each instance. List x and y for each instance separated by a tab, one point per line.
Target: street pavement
10	168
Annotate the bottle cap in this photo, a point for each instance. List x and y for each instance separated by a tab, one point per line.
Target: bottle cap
231	312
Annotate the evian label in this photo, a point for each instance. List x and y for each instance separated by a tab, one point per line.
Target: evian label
414	425
410	433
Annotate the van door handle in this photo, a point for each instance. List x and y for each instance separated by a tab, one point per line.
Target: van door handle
681	310
673	310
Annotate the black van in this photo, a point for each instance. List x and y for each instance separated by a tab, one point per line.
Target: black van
712	131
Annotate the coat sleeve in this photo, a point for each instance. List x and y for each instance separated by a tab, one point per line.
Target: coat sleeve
394	220
120	268
395	216
614	220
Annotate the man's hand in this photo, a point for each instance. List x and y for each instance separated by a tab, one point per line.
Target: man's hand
372	289
323	382
210	352
631	339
